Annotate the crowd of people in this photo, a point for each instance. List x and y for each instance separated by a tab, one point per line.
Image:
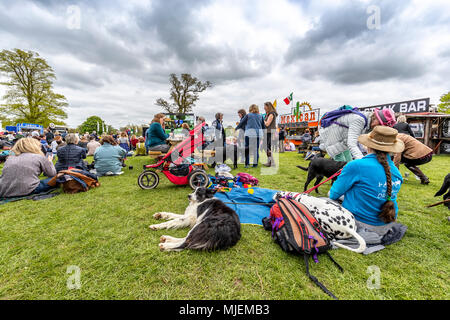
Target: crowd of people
368	142
31	154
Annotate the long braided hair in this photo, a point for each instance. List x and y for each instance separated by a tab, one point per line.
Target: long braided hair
387	213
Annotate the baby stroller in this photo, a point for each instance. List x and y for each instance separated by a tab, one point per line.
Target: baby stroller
175	165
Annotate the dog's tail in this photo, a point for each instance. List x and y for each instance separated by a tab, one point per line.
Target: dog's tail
362	242
445	186
303	168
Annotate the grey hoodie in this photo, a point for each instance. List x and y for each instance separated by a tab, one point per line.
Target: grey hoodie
336	139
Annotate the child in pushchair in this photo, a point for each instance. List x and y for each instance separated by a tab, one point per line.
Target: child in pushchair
177	166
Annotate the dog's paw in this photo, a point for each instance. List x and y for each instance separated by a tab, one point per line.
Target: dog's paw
162	239
157	215
162	247
154	227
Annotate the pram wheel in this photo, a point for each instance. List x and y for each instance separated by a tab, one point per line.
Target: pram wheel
148	180
198	178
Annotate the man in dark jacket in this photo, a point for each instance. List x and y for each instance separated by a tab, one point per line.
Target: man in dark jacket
49	136
219	130
71	155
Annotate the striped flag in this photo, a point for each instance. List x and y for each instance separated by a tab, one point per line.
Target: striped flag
288	99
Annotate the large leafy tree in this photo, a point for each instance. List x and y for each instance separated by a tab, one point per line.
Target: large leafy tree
29	96
184	93
444	106
93	123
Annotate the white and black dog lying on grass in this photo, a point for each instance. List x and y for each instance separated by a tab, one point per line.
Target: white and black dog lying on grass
214	225
338	222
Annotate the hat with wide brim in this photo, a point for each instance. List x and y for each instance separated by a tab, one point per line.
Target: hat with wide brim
382	138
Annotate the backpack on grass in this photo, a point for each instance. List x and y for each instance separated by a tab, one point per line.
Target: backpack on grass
296	230
75	180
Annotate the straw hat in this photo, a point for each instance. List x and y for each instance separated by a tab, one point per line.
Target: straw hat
382	138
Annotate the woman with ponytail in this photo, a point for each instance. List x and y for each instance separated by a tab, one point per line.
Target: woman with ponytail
370	185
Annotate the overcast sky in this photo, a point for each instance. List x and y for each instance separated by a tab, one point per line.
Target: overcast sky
113	58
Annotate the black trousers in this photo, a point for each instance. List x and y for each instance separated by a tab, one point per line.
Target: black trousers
416	162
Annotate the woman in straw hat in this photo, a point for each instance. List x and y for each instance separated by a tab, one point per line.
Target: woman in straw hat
370	185
20	175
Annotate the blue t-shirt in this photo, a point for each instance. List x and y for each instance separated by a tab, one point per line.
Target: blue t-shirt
363	183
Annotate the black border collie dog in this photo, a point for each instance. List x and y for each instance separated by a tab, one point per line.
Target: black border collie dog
214	225
445	187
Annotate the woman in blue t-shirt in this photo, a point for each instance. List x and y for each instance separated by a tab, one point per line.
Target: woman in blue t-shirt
370	185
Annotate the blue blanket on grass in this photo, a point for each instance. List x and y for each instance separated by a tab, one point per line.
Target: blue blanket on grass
250	212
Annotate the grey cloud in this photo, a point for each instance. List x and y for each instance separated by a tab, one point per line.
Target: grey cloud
338	26
87	43
78	80
175	25
341	49
366	69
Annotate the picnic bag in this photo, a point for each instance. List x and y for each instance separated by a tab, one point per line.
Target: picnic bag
331	117
296	230
75	180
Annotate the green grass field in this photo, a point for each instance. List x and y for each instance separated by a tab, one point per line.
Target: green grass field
104	233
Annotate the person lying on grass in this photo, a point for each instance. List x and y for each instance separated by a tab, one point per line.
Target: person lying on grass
370	185
20	175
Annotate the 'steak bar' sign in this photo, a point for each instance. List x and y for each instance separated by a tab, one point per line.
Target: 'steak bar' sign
411	106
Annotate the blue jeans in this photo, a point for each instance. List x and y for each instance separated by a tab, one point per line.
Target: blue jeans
251	144
43	186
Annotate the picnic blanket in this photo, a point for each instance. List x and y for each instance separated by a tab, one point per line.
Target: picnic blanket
251	207
35	197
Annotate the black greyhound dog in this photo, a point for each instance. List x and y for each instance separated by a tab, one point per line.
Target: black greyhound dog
320	168
445	187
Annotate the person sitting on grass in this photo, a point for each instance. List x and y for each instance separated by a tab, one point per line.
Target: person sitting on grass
156	136
83	142
109	157
134	141
71	155
92	146
21	171
124	143
140	147
56	144
372	198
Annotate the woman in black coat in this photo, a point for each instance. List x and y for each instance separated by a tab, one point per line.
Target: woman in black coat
403	127
71	155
